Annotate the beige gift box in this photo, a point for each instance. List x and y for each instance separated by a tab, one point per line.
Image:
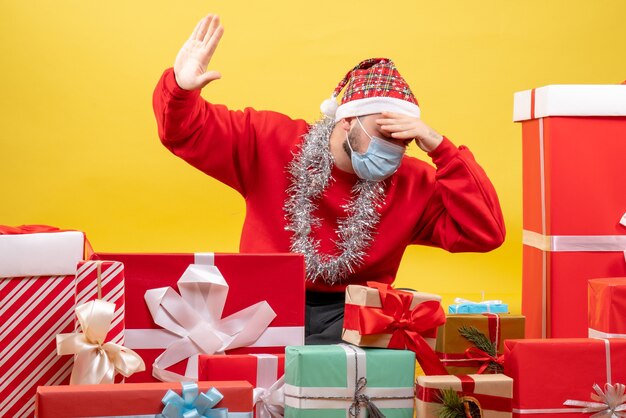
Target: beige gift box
492	393
366	296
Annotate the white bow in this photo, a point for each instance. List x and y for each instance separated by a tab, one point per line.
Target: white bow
483	302
610	403
270	402
195	316
97	362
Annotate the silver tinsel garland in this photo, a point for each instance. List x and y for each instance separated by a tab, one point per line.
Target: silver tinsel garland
311	175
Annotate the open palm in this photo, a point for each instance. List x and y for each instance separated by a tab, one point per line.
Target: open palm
192	61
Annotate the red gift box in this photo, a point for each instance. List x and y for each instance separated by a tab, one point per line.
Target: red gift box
260	370
573	140
607	307
252	278
33	310
548	372
134	399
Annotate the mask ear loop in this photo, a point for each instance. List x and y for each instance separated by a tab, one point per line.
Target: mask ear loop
363	127
382	142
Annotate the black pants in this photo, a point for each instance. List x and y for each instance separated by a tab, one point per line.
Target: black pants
324	317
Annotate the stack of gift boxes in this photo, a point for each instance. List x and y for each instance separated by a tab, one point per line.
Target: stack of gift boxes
88	334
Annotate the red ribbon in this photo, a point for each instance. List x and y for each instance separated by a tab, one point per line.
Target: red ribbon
407	326
26	229
475	354
487	402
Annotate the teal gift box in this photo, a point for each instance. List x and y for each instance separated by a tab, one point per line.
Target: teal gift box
340	381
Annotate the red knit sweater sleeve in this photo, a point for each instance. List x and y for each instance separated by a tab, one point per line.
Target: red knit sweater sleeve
463	213
220	142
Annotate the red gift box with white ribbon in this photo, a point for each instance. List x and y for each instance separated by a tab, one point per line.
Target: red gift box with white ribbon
37	285
179	306
573	142
263	371
556	377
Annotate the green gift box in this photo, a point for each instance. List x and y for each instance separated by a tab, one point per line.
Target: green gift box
344	381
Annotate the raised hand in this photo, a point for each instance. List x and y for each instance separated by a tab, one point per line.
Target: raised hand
407	127
192	61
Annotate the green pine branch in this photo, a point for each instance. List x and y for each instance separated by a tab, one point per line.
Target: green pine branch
478	339
452	404
455	406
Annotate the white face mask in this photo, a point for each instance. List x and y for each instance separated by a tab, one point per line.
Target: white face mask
380	161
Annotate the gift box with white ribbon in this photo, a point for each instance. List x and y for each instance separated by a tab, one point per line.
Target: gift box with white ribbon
179	306
567	377
573	140
263	371
344	380
37	284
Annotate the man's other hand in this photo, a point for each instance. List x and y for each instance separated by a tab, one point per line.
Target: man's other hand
192	61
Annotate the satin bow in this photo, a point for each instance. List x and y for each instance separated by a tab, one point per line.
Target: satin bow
610	403
193	404
406	325
96	361
270	402
476	354
195	316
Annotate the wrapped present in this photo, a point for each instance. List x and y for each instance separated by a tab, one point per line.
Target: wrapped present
607	307
103	280
380	316
209	303
33	309
146	400
464	306
487	396
263	371
555	376
97	361
572	229
39	250
473	344
337	380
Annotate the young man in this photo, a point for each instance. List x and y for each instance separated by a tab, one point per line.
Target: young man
340	191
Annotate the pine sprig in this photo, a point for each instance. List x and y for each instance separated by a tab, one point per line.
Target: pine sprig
455	406
477	338
452	404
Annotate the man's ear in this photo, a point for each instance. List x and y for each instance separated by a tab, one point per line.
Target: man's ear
346	123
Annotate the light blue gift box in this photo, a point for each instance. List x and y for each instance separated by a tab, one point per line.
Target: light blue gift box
337	381
464	306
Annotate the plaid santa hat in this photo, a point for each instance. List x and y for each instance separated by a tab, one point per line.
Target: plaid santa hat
373	86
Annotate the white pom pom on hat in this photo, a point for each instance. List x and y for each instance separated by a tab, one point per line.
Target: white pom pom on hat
373	86
329	107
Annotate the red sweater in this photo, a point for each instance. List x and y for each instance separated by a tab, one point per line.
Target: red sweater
454	207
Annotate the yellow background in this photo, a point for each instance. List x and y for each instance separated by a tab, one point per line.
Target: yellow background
78	141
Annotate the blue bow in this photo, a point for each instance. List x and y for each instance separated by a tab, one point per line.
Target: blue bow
193	404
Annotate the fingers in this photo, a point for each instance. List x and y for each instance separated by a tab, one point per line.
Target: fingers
201	28
211	45
403	134
212	26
